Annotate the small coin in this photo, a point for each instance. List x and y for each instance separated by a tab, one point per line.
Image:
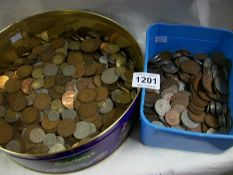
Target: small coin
68	99
60	140
172	117
109	76
42	101
107	106
56	148
26	85
12	85
93	128
87	110
23	71
58	58
75	58
29	115
53	115
87	95
37	72
186	120
37	84
49	125
69	114
50	70
83	130
69	70
66	128
120	96
50	139
56	105
162	107
101	93
6	132
37	135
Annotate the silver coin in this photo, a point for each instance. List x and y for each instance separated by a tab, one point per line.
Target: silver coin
158	123
50	139
211	131
208	62
53	115
2	111
109	76
68	70
218	107
41	115
14	145
57	148
37	135
103	59
181	86
60	140
212	107
69	114
162	107
83	130
93	128
42	90
187	121
162	118
30	98
221	85
107	106
51	70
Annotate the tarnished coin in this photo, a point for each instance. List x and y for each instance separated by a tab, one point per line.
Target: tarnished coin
87	109
11	116
221	85
90	69
172	117
110	48
53	115
37	135
50	139
37	73
66	128
97	80
42	101
69	70
109	76
37	84
89	45
39	149
58	58
120	96
196	118
56	148
190	67
3	80
107	106
186	120
162	107
83	130
29	115
49	125
57	43
101	93
79	70
87	95
50	70
75	58
6	132
12	85
69	114
60	140
56	105
68	99
14	145
93	128
23	71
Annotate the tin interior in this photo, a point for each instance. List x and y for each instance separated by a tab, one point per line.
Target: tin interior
55	23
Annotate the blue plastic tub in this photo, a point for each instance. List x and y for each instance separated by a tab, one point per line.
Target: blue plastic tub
170	37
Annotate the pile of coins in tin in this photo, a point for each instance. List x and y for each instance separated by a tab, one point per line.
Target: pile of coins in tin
63	91
193	94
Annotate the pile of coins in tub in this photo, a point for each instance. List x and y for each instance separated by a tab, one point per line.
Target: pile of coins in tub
63	91
193	94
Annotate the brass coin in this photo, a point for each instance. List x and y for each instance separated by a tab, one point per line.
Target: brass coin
87	95
29	115
75	58
37	84
56	105
42	101
120	96
12	85
37	73
24	71
66	128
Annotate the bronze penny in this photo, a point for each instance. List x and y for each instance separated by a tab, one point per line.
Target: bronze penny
87	110
196	82
87	95
204	127
151	98
75	58
199	100
6	132
29	115
207	83
211	121
59	89
38	50
23	71
47	55
26	85
90	69
90	119
101	93
54	95
196	118
185	77
190	67
197	103
172	117
100	68
98	122
97	80
89	45
12	85
203	95
61	79
18	102
194	110
57	43
76	103
49	126
66	128
82	83
168	83
79	70
68	99
49	82
42	101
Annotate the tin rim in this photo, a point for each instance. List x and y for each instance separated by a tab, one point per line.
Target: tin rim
35	156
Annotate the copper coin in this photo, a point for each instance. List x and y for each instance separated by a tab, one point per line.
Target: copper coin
168	83
70	86
42	101
87	95
68	99
212	121
98	122
12	85
172	117
49	82
24	71
75	58
101	93
207	83
196	118
90	69
19	102
87	110
57	43
203	95
190	67
6	132
47	55
66	128
204	127
97	80
26	86
90	119
89	45
29	115
79	70
82	83
49	125
151	98
100	68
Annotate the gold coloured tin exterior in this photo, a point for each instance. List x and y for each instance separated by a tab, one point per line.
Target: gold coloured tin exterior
106	142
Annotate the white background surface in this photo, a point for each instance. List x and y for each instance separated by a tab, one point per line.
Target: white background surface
133	158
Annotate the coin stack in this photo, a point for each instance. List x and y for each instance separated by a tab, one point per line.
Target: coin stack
63	90
193	94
